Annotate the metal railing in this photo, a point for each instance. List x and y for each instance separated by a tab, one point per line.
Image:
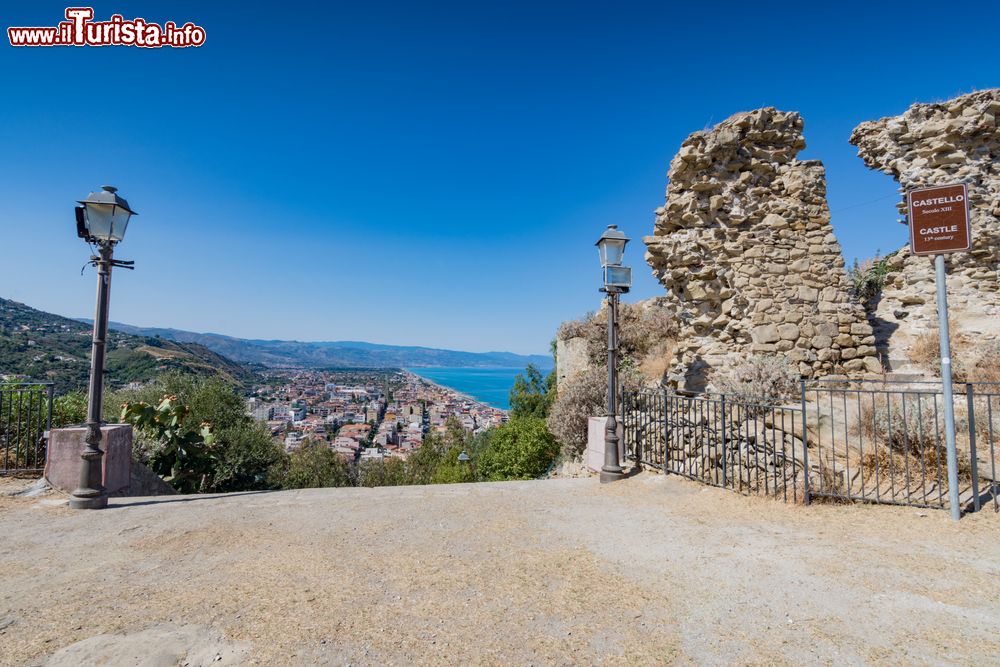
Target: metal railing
884	442
867	441
25	420
718	440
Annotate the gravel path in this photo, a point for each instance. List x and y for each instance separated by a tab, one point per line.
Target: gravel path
651	570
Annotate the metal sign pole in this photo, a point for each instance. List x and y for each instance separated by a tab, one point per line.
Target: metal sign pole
949	403
939	223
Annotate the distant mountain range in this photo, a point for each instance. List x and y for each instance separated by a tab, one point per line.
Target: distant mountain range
336	354
41	346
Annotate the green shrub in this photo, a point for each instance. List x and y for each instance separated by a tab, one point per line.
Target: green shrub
185	457
311	466
868	278
523	448
452	471
386	472
70	408
243	450
246	453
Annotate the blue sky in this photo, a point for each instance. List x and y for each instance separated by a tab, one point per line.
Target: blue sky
428	173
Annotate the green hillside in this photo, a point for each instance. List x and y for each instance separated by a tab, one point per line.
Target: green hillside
46	347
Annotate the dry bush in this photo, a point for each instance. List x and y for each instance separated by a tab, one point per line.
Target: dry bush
922	465
987	364
926	351
916	439
657	360
583	397
641	330
762	380
885	421
832	481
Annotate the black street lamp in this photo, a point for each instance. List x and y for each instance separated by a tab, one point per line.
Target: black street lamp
101	219
617	281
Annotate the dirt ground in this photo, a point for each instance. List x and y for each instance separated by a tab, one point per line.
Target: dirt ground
651	570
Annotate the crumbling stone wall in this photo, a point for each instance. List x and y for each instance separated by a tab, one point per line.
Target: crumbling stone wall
937	144
745	249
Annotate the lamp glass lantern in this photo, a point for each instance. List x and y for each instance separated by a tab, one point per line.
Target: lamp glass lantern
611	246
103	216
618	276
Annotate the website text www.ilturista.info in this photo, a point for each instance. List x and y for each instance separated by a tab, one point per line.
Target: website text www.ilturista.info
79	29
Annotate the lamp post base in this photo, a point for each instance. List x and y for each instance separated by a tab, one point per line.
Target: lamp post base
612	475
93	503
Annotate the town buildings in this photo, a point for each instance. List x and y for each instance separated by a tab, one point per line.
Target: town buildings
363	414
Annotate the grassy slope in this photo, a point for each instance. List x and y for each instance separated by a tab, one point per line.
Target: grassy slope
43	346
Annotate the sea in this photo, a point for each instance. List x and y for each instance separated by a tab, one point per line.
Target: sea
488	385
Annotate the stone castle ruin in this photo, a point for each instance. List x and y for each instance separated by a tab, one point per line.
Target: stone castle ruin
936	144
751	265
745	249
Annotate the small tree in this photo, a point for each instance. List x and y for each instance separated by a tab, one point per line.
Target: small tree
532	394
311	466
387	472
421	464
520	449
451	471
184	457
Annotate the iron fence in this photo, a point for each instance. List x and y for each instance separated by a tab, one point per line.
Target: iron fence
884	442
868	441
25	420
717	440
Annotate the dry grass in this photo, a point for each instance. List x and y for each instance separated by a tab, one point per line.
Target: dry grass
928	463
162	353
926	351
656	361
899	421
987	364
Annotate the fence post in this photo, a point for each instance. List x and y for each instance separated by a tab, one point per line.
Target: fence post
725	449
805	447
48	423
48	420
666	432
972	446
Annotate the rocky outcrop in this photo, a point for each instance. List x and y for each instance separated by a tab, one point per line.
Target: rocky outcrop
745	249
957	141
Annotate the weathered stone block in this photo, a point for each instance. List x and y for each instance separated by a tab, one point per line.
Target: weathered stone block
62	463
788	332
873	365
767	333
808	294
821	342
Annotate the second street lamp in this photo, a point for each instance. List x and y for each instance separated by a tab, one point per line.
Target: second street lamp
101	219
617	281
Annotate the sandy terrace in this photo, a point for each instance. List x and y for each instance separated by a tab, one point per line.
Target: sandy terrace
651	570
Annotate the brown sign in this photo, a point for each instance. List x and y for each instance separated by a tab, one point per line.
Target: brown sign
939	219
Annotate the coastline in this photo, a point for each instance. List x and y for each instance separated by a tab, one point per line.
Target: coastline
460	395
